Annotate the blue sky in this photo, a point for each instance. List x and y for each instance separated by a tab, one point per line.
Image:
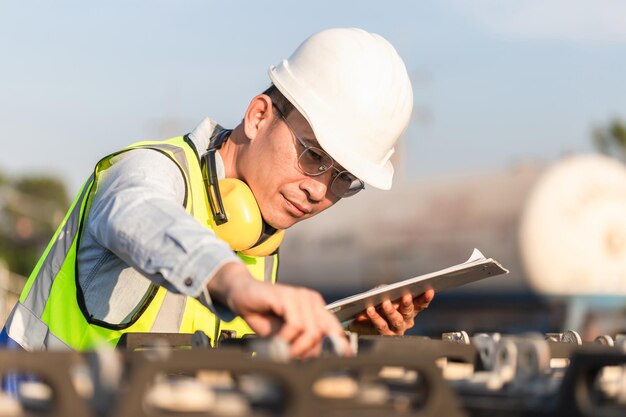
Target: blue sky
496	82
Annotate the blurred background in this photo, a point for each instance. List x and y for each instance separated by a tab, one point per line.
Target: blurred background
505	92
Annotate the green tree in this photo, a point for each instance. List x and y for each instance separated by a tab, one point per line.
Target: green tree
611	139
31	208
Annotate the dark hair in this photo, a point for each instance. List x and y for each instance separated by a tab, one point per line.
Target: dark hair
279	100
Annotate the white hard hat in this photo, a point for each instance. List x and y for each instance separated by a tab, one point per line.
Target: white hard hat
353	89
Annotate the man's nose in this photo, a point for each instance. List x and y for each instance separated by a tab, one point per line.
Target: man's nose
316	187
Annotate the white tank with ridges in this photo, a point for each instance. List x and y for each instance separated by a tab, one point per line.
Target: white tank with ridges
573	229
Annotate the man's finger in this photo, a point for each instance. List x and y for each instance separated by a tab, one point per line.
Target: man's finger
427	296
306	345
309	342
407	309
393	317
423	301
265	325
362	317
378	322
293	324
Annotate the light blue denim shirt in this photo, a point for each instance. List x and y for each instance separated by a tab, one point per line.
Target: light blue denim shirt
138	233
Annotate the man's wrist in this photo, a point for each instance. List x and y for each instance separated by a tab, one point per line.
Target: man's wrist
226	281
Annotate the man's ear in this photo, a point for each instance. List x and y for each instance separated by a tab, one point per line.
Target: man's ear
258	116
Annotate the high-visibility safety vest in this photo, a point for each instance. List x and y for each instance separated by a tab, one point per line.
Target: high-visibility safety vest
49	315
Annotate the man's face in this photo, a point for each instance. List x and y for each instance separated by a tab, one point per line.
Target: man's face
284	193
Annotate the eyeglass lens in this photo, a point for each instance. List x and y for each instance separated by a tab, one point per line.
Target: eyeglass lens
314	161
345	184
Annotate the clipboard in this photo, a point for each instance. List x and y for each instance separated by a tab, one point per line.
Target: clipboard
477	267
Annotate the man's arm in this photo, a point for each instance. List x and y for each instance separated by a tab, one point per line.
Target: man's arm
137	214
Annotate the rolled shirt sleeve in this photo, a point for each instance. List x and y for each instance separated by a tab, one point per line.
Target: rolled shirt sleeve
137	213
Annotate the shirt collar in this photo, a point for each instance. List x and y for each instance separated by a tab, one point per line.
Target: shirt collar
201	138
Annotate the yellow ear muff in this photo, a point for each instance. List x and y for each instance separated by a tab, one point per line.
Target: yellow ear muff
268	247
245	224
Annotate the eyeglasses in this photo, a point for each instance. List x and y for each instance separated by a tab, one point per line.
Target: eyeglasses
315	161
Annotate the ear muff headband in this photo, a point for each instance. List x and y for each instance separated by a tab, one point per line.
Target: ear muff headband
235	213
209	174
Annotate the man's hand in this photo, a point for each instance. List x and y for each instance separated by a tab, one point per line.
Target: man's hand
295	314
394	318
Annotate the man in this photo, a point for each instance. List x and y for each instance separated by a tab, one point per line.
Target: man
182	235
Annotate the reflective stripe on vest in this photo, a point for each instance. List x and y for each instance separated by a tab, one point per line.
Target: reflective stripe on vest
48	313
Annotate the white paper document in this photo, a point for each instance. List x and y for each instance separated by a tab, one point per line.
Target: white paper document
475	268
